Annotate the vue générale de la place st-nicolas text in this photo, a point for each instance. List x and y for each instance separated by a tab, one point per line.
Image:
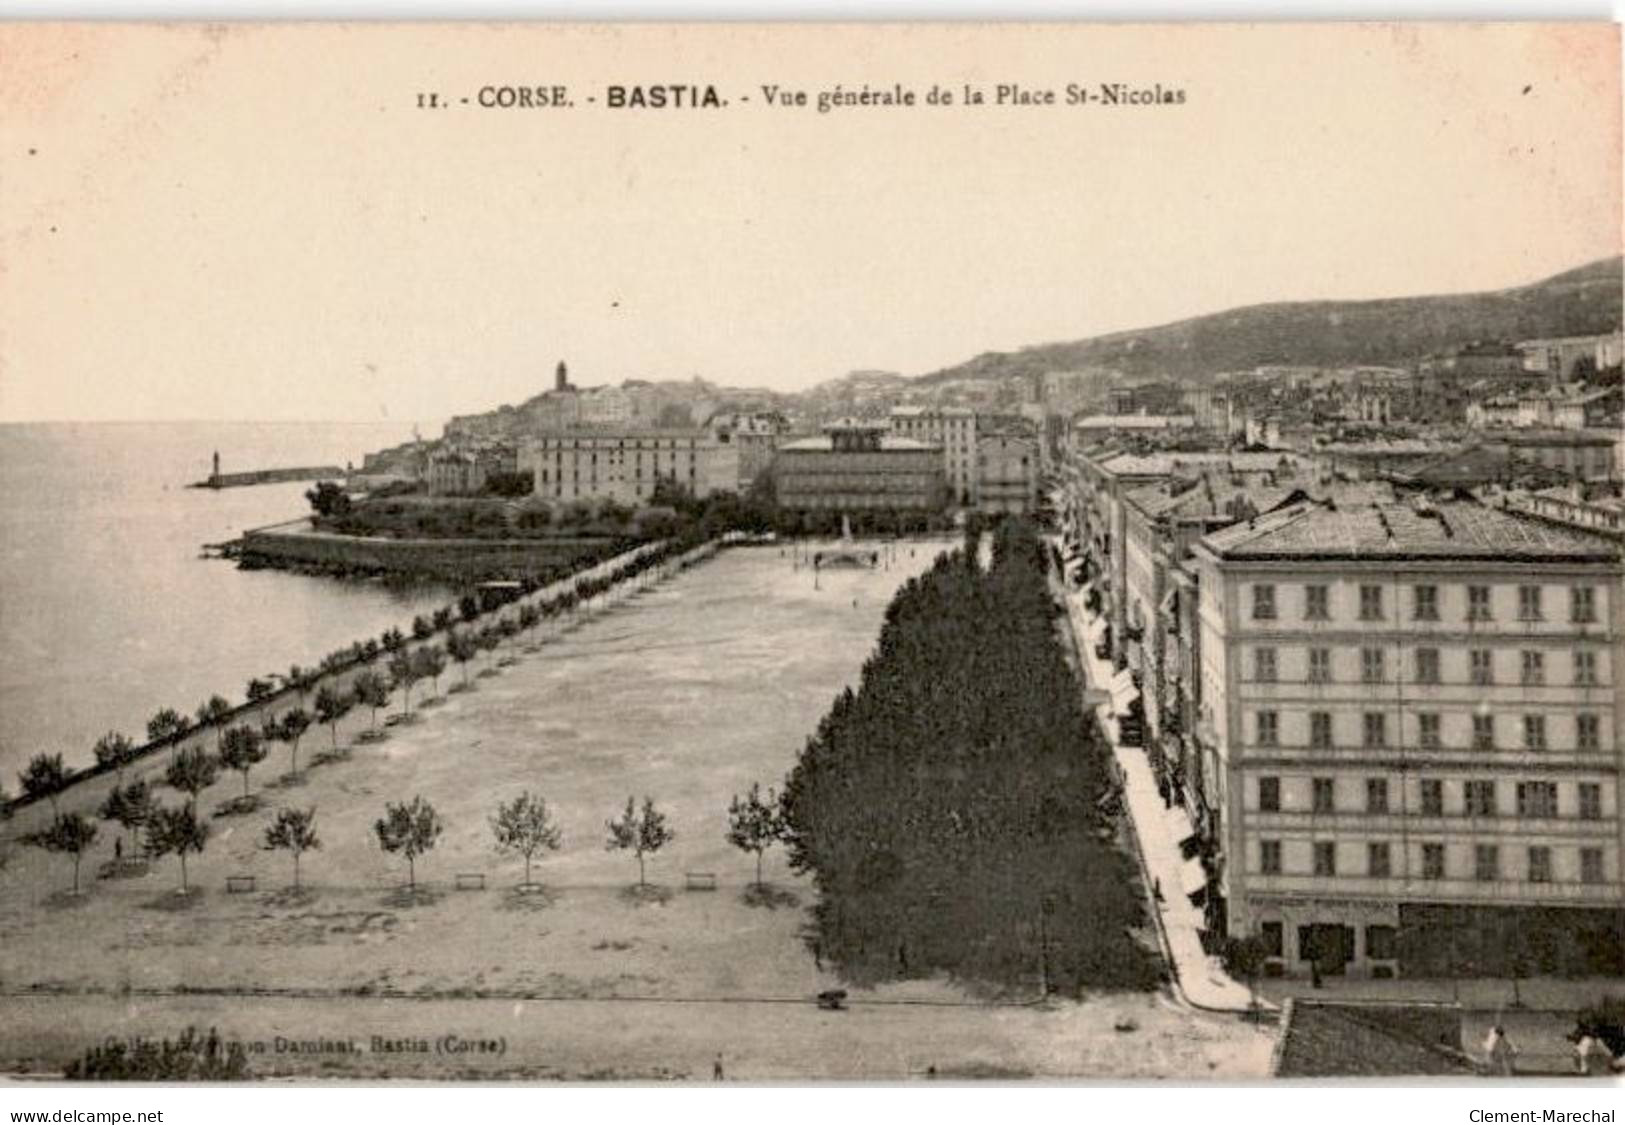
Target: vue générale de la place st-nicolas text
839	96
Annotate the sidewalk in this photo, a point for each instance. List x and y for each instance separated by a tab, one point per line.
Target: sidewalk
1198	977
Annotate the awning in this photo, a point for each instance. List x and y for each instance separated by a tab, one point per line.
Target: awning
1193	881
1123	691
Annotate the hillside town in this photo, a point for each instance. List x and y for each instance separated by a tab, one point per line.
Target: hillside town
1363	622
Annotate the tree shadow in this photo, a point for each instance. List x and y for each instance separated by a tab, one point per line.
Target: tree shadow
405	898
288	781
176	901
239	806
289	898
528	898
768	896
432	702
329	757
459	688
66	900
646	894
369	736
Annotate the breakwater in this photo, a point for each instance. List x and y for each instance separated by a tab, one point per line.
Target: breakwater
296	545
269	476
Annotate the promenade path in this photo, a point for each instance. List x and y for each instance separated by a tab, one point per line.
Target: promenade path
1199	978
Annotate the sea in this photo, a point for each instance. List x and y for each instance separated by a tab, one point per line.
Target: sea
107	609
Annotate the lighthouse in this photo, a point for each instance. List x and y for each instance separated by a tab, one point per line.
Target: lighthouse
214	477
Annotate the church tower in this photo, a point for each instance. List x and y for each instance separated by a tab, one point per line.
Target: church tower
561	378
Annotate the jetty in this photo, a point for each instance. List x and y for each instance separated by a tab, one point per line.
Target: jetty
218	480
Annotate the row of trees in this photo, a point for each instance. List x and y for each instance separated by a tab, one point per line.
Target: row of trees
46	775
524	827
950	809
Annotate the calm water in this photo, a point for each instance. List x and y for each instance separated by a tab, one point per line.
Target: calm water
106	611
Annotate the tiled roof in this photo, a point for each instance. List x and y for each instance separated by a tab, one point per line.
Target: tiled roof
1452	529
1321	1039
1210	497
1164	464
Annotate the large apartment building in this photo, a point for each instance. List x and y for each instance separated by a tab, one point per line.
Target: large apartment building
1411	727
952	429
625	465
857	466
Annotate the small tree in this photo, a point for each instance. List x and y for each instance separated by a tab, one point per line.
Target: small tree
422	628
524	826
114	752
299	679
463	647
259	690
468	608
191	772
293	727
442	619
371	691
429	662
212	712
641	832
410	830
130	805
242	749
489	637
166	725
45	777
331	707
177	832
1244	957
293	831
69	834
404	671
328	499
755	825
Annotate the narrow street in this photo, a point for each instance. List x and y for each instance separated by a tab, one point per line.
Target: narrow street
1199	978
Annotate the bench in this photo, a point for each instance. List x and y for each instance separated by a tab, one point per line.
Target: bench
239	884
471	882
702	881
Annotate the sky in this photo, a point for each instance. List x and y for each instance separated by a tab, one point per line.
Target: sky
239	222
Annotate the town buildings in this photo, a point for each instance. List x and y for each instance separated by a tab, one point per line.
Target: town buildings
1410	739
860	466
464	471
1494	359
1007	472
625	465
1561	358
952	430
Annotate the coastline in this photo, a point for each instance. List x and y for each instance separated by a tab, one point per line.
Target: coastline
341	674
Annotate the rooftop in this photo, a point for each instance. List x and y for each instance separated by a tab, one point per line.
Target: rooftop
1133	421
1326	1039
1456	529
1165	464
826	443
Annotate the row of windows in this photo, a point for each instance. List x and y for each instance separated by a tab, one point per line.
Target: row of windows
1427	665
618	443
1478	798
1486	867
1429	731
1317	603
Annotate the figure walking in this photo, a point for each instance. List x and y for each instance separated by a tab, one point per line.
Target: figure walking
1499	1051
716	1068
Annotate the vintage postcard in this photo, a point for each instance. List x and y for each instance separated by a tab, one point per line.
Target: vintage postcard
793	553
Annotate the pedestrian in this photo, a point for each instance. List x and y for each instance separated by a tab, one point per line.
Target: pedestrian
1499	1051
716	1068
118	853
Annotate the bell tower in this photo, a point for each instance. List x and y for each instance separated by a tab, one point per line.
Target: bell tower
561	378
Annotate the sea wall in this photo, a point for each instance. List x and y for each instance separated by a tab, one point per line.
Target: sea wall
294	546
271	476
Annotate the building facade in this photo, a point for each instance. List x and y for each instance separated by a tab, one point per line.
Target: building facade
1414	714
626	465
855	466
1007	472
951	429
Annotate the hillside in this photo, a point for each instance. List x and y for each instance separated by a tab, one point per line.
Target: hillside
1579	302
